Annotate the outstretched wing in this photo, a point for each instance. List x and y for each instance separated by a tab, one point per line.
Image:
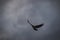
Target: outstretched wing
29	22
38	26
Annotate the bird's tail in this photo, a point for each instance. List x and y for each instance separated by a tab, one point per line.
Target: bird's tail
35	29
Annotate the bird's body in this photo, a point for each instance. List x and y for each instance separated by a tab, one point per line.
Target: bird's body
36	26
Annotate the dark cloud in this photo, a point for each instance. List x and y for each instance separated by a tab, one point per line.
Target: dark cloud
14	15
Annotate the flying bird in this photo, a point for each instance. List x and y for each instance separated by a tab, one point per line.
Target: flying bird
36	26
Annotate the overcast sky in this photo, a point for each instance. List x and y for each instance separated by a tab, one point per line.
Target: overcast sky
14	15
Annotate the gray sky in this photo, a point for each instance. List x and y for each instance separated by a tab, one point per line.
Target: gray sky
14	15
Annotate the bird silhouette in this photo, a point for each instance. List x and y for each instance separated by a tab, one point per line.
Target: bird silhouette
36	26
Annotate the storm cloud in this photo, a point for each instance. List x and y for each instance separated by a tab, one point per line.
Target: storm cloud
14	15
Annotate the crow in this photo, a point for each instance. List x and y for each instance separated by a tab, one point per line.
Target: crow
36	26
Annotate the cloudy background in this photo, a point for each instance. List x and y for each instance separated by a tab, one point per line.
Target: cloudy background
14	15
